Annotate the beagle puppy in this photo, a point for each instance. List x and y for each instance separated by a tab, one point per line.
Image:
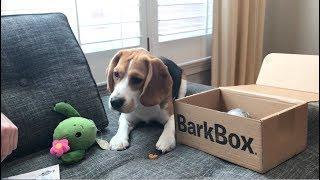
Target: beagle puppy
143	88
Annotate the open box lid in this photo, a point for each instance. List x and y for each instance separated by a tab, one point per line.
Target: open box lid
286	76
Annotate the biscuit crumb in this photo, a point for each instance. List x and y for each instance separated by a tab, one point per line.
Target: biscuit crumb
153	156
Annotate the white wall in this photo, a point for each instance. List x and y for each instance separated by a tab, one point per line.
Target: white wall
292	26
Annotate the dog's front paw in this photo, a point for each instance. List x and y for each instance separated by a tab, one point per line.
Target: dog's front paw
166	143
118	143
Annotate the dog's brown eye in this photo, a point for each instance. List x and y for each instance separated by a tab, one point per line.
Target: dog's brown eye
135	80
116	74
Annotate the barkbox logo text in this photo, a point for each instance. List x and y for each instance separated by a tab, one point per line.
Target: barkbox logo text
217	133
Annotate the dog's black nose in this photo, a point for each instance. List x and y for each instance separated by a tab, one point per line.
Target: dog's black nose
117	103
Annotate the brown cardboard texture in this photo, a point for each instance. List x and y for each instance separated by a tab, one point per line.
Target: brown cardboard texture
277	128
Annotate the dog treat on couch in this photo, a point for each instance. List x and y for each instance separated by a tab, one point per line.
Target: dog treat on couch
153	156
239	112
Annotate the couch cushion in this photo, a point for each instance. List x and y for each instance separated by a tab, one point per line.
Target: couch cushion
183	162
42	64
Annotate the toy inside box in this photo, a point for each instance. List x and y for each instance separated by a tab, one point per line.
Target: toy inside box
277	104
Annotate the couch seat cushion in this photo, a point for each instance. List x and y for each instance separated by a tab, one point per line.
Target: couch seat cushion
183	162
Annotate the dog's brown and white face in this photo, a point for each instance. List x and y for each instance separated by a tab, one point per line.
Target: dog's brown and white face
135	76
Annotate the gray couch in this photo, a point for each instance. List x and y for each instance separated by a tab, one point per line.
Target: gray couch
47	38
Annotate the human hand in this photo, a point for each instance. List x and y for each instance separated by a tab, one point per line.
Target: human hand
9	137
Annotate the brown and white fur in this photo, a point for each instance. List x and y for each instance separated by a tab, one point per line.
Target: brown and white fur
141	90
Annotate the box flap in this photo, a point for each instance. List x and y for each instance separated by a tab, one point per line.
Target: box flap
287	95
290	71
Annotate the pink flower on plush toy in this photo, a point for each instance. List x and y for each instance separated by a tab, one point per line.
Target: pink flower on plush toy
59	147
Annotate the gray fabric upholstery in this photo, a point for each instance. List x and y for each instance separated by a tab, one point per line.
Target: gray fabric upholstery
182	162
42	64
194	88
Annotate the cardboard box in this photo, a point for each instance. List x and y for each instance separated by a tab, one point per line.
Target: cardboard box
277	103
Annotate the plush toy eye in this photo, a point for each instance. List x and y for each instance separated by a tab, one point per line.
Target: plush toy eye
78	134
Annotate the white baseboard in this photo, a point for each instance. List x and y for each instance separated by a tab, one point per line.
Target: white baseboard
99	84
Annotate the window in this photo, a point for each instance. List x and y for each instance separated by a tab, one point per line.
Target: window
97	24
102	25
179	30
183	19
41	6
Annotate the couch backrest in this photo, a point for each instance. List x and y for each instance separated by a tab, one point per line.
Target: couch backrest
42	64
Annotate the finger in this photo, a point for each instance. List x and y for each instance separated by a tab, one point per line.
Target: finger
15	138
5	119
3	157
5	144
9	152
3	150
11	134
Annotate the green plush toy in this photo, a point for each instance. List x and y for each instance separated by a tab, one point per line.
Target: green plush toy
73	136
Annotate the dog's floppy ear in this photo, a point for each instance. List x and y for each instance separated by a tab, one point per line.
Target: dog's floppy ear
158	84
113	63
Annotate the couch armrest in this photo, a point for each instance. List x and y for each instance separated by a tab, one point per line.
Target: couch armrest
193	88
